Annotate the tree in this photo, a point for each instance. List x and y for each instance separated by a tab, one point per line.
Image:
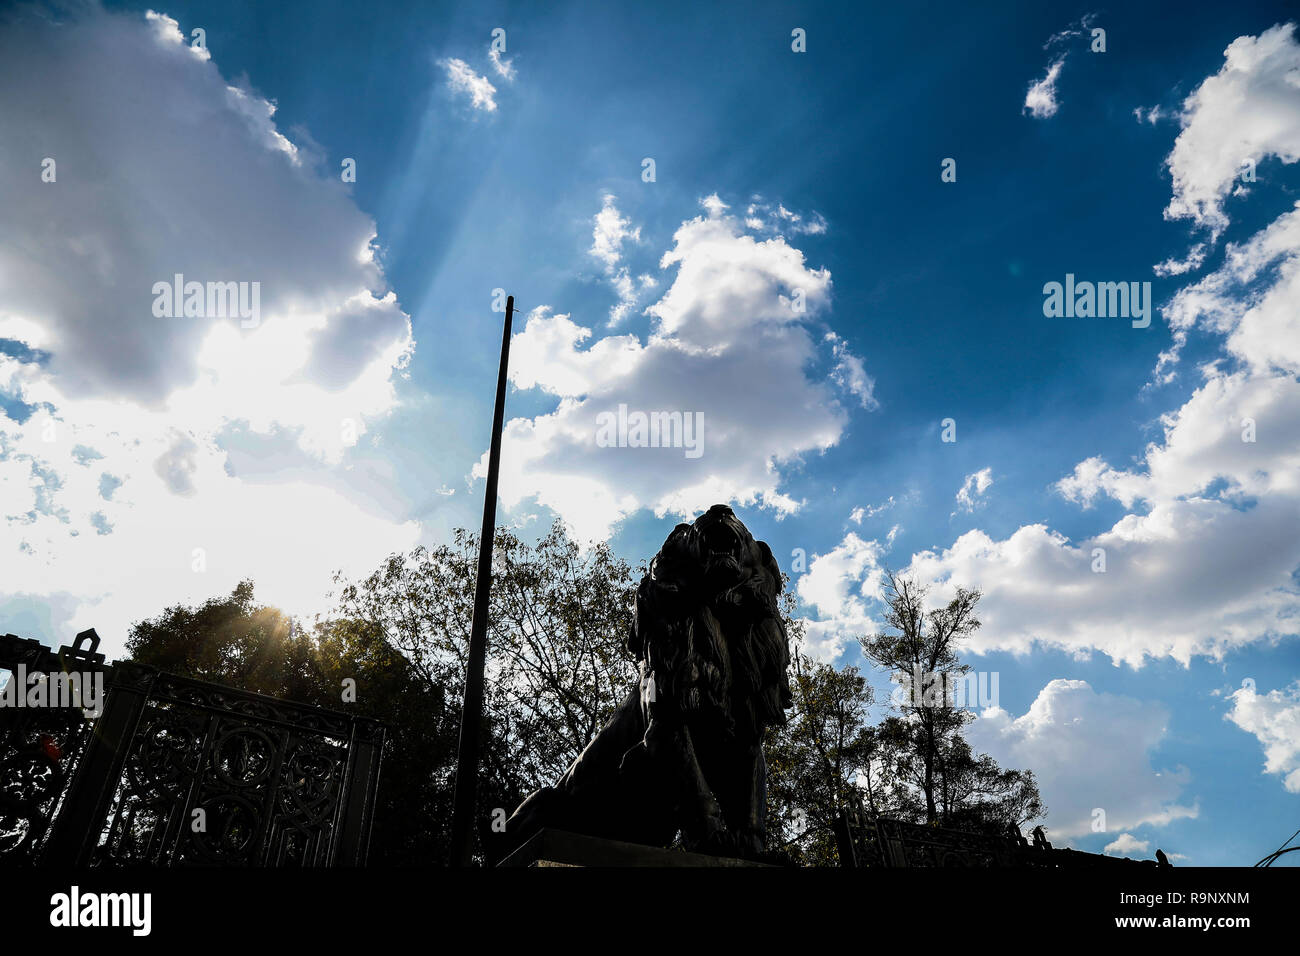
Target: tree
922	653
557	658
978	795
229	640
813	759
413	812
929	769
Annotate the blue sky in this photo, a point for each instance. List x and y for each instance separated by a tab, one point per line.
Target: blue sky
775	170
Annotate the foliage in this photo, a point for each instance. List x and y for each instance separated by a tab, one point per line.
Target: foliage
558	622
922	654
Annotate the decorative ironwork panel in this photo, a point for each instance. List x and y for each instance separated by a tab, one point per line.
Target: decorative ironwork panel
38	752
39	748
911	844
182	772
856	837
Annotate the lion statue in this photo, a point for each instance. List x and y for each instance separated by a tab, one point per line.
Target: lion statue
683	753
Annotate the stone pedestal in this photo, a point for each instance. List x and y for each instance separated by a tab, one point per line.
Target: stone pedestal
561	848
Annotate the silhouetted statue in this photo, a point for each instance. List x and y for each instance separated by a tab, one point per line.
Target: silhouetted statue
1040	838
684	751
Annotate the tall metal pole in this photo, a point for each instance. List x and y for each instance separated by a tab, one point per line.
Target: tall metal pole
471	715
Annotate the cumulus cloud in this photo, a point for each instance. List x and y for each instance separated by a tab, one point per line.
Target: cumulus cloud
1246	111
1040	99
1251	299
1203	562
1206	567
839	586
732	342
1089	751
462	79
971	492
1274	718
1126	844
89	247
114	473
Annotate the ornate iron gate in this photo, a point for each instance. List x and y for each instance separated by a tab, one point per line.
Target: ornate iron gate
179	772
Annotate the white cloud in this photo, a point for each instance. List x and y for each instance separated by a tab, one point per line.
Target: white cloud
169	32
714	206
1193	575
728	343
1089	751
505	68
1126	844
838	585
461	78
858	514
1203	562
850	374
971	492
762	216
139	199
610	231
798	225
1151	116
164	167
1249	110
1252	298
1040	99
1274	718
1194	259
1077	29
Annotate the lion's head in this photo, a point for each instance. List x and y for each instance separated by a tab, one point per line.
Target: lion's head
708	627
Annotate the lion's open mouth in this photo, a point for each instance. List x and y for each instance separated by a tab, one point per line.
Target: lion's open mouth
720	534
722	540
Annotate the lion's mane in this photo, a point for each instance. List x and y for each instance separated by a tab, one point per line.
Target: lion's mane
708	628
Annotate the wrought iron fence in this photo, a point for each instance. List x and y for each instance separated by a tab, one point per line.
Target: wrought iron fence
884	842
177	772
868	840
